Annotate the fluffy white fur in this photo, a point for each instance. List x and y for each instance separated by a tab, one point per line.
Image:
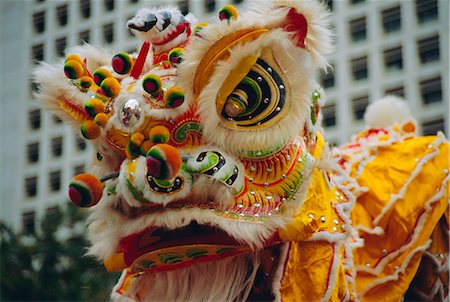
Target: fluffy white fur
386	112
229	279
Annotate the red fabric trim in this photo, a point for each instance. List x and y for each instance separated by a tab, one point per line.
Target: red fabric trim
140	61
178	30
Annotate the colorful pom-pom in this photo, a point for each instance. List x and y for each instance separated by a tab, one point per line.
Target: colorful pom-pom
163	161
111	87
86	82
137	139
93	106
73	69
198	28
74	57
85	190
175	56
90	129
174	97
152	83
101	119
145	146
228	12
100	74
122	63
159	134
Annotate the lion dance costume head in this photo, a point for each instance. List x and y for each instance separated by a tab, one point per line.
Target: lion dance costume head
211	181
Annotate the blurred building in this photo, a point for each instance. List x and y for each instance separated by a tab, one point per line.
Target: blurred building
383	47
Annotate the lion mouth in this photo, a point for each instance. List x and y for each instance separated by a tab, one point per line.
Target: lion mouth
158	249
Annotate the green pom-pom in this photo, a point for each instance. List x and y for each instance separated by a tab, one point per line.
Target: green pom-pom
111	87
176	56
122	63
228	12
73	69
100	74
174	97
85	190
152	83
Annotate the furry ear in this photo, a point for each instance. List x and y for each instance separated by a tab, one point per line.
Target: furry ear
62	96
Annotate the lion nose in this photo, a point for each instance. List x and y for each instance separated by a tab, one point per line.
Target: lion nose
149	22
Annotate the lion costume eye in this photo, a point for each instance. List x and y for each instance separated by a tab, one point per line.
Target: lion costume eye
257	100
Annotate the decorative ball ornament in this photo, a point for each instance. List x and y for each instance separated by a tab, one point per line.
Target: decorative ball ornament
85	190
74	57
163	161
174	97
152	84
93	106
110	87
90	129
198	28
86	82
131	113
122	63
145	146
101	119
228	12
176	56
133	148
159	134
73	69
100	74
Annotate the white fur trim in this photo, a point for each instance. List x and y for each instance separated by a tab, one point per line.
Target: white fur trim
386	112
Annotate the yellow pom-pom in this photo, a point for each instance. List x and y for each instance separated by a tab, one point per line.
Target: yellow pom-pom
86	82
137	139
159	134
100	74
101	119
111	87
90	129
73	69
74	57
228	12
94	106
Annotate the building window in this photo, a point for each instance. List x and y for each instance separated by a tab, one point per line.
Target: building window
432	127
61	14
393	59
359	105
39	22
60	46
391	19
84	36
358	29
109	4
210	5
328	78
55	181
56	120
134	1
183	5
38	53
81	143
356	1
398	91
28	222
78	169
33	152
426	10
359	68
431	91
34	87
108	33
57	146
85	8
34	119
31	186
428	49
329	115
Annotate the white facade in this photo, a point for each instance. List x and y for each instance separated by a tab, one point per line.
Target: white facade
22	38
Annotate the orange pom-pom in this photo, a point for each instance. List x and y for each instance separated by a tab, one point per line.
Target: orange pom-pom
101	119
85	190
90	129
73	69
163	161
111	87
145	146
94	106
159	134
74	57
137	139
